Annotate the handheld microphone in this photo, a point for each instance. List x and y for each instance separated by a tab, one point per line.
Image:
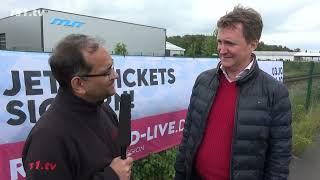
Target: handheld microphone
124	124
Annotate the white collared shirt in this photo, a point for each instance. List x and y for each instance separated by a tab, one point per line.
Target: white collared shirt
239	75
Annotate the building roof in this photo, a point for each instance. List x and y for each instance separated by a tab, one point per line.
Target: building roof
274	53
170	46
307	54
45	9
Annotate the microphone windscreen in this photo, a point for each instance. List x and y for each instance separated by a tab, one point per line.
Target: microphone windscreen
125	120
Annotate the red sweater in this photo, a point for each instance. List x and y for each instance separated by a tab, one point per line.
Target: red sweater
214	154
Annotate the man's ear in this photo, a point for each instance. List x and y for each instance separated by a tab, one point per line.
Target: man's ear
254	44
77	85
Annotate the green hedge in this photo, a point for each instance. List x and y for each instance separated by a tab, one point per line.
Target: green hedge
156	166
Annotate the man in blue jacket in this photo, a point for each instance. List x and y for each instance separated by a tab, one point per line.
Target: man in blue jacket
238	125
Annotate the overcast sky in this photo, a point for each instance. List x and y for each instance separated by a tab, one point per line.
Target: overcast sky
292	23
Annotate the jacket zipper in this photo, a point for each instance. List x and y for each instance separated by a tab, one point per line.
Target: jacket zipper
234	131
236	115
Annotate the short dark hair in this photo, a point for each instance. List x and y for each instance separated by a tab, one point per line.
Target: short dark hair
67	59
249	18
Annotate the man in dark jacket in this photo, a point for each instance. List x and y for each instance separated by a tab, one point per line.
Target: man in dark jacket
238	125
76	137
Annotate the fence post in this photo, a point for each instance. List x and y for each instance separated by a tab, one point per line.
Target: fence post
309	90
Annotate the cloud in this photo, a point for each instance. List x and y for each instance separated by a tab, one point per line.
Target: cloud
282	19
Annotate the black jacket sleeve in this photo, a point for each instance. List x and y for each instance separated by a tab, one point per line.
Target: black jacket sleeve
181	153
107	173
180	159
46	156
279	151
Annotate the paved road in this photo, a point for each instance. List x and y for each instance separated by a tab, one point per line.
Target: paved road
307	167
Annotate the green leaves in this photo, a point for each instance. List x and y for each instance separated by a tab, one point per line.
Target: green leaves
156	166
196	45
206	45
121	49
265	47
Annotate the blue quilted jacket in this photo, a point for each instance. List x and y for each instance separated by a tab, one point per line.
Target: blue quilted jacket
261	145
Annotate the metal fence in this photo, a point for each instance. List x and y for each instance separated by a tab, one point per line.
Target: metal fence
303	82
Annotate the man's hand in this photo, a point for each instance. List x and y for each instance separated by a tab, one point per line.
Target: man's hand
122	167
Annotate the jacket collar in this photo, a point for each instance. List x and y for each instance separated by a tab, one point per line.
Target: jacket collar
245	75
74	103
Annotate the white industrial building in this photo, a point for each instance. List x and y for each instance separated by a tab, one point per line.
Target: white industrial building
287	56
275	55
307	56
41	29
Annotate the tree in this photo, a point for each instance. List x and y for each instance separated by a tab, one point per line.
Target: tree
297	50
121	49
206	45
196	45
265	47
209	46
191	50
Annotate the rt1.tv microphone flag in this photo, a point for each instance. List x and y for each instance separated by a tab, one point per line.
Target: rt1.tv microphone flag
124	124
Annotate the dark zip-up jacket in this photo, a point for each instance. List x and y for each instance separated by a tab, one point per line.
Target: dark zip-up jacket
261	144
73	140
